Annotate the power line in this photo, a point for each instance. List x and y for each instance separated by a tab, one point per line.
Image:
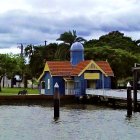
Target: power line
22	47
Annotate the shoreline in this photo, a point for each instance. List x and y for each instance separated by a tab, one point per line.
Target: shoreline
64	100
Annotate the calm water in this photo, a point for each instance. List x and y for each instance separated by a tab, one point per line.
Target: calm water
75	123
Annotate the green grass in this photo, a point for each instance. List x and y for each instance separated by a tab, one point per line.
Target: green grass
14	91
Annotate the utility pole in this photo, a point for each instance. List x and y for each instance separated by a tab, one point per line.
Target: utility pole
21	48
21	55
45	42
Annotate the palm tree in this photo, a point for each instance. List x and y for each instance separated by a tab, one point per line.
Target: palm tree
70	37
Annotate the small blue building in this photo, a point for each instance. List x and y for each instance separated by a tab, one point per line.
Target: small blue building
74	77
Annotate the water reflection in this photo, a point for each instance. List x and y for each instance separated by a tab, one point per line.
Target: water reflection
77	122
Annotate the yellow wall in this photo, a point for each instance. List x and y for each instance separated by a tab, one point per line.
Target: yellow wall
91	76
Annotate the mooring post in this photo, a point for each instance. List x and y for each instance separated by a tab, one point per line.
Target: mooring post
129	100
135	89
56	101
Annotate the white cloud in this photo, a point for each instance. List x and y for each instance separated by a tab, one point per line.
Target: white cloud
33	21
10	50
8	5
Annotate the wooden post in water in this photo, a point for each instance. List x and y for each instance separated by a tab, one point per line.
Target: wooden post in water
135	89
56	101
129	100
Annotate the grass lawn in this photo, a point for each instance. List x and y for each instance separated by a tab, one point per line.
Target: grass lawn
14	91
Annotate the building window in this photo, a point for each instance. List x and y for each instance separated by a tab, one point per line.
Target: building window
43	85
48	83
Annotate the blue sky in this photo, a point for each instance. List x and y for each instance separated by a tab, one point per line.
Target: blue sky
34	21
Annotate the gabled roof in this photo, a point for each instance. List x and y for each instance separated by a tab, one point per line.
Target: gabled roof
59	68
79	67
64	68
104	65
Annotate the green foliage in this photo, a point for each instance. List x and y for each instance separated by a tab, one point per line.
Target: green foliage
116	40
62	52
70	37
10	65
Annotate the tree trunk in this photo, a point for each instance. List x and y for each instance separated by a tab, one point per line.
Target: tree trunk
25	81
0	82
3	81
12	82
32	83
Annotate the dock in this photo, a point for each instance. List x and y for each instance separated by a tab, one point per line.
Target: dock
118	94
114	98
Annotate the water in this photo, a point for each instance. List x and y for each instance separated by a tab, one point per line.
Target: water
85	122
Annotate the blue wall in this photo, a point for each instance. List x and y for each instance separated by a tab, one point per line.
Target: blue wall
76	57
107	82
48	91
53	80
61	84
82	84
99	82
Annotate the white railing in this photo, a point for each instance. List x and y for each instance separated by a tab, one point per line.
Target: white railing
95	91
120	93
71	91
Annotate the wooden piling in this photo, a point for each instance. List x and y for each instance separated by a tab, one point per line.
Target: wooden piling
56	101
135	89
129	100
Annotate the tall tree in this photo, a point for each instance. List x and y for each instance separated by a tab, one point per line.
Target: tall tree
10	65
70	37
116	40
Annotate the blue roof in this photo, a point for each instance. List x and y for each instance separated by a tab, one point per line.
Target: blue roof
77	46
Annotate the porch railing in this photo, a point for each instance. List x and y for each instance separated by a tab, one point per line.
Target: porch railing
95	91
72	91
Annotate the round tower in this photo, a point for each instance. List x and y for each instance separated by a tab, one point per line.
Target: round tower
76	53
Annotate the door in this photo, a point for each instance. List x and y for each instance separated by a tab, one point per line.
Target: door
43	87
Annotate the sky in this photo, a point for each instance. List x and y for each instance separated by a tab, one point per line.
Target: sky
34	21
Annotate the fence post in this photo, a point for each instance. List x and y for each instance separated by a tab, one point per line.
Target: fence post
135	89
